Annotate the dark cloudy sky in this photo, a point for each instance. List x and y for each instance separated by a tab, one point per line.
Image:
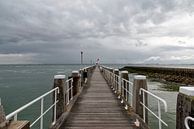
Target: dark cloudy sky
116	31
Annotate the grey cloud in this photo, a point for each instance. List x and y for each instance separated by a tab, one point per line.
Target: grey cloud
50	28
140	43
175	48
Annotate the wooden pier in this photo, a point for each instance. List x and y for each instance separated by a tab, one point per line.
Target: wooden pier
96	97
98	108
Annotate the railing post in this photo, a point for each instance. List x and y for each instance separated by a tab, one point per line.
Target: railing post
59	81
140	82
185	107
116	79
120	85
124	75
110	77
70	91
76	79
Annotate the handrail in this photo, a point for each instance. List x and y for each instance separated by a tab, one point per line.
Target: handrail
143	91
121	82
127	90
41	98
88	67
69	91
187	120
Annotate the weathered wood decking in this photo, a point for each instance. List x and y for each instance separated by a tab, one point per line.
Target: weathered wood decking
98	108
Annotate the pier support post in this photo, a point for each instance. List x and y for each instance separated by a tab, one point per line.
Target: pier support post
140	82
5	124
76	80
59	81
124	75
185	107
85	75
2	116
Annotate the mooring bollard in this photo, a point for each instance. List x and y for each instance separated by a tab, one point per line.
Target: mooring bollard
124	75
76	79
59	81
185	107
140	82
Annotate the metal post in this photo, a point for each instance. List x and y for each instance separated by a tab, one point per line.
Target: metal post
67	92
159	115
15	117
81	57
116	72
55	107
71	90
41	113
124	75
144	115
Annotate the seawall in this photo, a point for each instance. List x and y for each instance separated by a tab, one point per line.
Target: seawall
177	75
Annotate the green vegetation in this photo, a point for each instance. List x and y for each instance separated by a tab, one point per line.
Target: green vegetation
169	84
171	87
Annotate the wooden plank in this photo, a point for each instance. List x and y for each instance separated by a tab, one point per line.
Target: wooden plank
98	108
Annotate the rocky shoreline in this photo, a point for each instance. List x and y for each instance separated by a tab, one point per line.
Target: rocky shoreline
174	77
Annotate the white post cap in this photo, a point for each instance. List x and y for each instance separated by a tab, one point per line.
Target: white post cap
187	91
59	77
139	77
124	72
116	69
75	73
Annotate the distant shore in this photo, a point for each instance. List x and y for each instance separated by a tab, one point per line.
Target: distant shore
173	77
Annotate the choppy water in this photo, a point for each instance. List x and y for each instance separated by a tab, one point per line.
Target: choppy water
20	84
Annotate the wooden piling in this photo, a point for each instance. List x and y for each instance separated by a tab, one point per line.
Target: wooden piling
2	117
5	124
59	81
81	77
76	80
124	75
85	75
139	82
185	107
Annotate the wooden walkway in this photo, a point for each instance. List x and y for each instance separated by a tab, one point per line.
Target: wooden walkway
98	108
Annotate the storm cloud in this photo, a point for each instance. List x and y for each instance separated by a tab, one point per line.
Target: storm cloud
116	31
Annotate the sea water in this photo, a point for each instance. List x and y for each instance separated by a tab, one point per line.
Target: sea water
19	84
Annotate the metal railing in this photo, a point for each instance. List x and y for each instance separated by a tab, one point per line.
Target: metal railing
187	120
116	82
127	93
68	91
126	89
42	113
159	101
